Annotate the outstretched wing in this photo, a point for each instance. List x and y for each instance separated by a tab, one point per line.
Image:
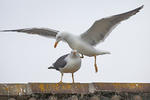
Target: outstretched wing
101	28
39	31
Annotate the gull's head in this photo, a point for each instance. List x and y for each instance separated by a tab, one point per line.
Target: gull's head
74	53
60	36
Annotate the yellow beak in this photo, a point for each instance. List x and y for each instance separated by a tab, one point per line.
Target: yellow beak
55	44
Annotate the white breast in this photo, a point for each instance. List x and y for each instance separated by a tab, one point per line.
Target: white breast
72	66
83	47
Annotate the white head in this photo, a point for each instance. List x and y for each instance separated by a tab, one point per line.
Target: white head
60	36
74	54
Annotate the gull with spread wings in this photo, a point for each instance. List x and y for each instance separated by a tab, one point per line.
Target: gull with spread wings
84	43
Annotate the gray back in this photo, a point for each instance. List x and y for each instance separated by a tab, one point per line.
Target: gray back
60	62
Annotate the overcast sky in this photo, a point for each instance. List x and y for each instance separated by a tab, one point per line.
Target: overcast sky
25	58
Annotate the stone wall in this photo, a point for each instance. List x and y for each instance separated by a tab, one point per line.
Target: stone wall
77	91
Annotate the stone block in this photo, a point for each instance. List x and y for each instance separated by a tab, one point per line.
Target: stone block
94	98
52	98
116	97
11	99
137	97
32	98
74	97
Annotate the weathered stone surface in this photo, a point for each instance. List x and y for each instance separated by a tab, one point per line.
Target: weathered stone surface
122	87
13	89
94	98
74	97
76	91
59	88
116	97
11	99
32	98
21	98
52	98
3	98
137	97
84	88
104	98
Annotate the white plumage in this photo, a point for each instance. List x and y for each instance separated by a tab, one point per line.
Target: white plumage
69	63
85	43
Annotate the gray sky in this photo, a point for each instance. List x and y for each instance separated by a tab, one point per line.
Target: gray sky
25	58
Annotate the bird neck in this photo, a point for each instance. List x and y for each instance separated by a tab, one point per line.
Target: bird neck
71	40
68	38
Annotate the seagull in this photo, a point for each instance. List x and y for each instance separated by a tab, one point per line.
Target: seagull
68	63
86	42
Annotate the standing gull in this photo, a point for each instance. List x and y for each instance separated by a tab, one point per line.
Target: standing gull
84	43
68	63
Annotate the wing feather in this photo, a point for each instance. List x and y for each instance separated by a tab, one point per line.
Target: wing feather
61	62
39	31
101	28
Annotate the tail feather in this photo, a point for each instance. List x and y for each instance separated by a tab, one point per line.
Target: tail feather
51	67
104	52
9	30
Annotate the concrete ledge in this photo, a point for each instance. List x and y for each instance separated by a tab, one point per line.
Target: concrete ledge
69	88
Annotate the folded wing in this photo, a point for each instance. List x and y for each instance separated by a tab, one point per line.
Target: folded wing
61	62
101	28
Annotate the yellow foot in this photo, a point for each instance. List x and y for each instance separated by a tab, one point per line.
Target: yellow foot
60	82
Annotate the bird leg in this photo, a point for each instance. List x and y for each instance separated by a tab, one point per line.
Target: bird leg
72	78
61	78
81	56
96	68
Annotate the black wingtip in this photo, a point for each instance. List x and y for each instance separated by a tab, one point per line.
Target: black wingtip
141	7
138	9
8	30
3	31
133	12
51	67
